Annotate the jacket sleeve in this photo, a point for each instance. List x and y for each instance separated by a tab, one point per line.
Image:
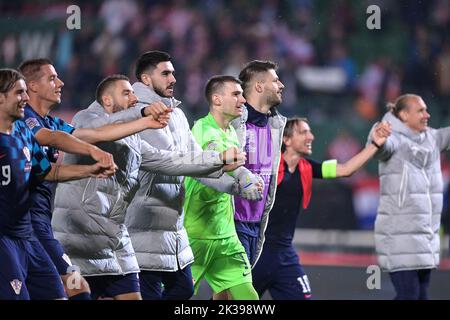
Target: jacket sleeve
92	120
176	163
388	149
443	138
225	184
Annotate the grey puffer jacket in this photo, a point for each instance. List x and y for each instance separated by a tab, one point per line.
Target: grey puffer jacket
277	122
155	217
408	220
89	214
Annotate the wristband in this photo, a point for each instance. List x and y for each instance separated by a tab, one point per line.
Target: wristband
376	145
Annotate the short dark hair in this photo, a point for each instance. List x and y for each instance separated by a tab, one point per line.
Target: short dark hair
216	83
253	68
401	103
289	128
31	69
8	77
149	60
107	83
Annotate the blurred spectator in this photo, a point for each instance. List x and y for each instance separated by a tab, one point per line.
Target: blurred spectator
339	57
421	53
116	14
411	52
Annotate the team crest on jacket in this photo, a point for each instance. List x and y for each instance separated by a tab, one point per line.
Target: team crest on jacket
31	123
16	284
211	146
27	154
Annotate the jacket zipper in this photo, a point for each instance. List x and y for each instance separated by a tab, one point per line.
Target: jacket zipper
403	186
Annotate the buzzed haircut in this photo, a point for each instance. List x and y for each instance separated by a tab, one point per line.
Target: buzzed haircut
216	84
252	69
106	84
31	69
8	77
148	61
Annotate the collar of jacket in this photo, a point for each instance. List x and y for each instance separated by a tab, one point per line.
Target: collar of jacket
401	128
257	118
147	95
96	108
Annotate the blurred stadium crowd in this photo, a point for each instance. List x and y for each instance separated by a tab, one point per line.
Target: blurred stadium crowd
337	72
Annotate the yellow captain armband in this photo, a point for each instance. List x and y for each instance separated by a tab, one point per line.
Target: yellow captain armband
329	169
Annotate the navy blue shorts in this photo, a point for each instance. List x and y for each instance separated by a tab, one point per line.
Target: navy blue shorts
160	285
249	243
113	285
59	257
279	271
27	272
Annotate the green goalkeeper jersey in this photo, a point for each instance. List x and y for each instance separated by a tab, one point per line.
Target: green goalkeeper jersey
209	214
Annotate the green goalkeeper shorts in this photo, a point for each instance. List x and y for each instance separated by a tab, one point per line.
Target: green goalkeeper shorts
223	263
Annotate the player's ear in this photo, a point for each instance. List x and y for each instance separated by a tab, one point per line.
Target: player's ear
259	86
32	86
403	115
216	99
146	79
107	100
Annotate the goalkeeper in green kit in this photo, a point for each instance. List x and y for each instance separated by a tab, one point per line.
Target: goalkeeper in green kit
219	256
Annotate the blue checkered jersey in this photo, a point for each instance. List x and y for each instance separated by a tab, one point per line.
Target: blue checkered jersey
41	210
21	162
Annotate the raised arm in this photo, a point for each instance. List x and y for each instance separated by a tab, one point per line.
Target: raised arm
112	132
443	138
191	163
379	136
61	173
68	143
124	123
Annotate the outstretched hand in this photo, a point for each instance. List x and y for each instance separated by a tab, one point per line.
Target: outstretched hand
251	187
98	170
381	132
103	158
158	115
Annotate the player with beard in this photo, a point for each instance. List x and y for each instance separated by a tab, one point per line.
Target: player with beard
155	218
260	132
54	134
90	222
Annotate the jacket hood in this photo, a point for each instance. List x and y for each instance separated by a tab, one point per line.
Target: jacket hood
401	128
147	94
